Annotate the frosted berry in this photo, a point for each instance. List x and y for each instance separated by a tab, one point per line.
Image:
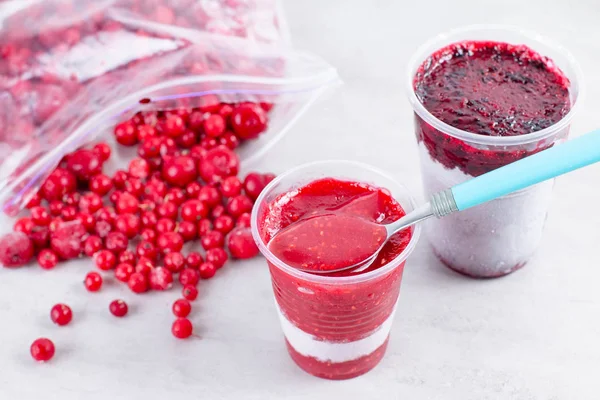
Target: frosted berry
160	278
217	164
16	249
116	242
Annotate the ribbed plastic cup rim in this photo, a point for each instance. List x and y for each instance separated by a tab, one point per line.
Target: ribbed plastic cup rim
425	50
343	280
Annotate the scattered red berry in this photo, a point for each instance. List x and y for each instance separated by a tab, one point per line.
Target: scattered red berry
217	256
123	271
182	328
47	259
43	349
240	244
118	308
207	270
138	283
189	292
61	314
160	278
105	260
16	249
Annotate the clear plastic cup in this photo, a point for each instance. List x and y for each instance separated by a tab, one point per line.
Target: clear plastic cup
334	327
499	237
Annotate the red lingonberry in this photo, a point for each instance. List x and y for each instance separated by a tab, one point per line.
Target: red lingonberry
224	224
217	256
119	179
146	249
116	242
181	308
204	226
169	241
87	221
167	210
248	121
144	266
90	203
197	152
118	308
217	164
40	216
150	148
24	225
47	259
129	224
56	207
193	210
217	211
192	190
160	278
42	349
138	283
127	257
126	133
72	199
240	244
255	183
127	203
59	183
105	260
93	281
179	171
210	196
189	292
207	270
187	140
84	164
174	261
139	168
149	219
165	225
91	245
193	260
229	140
231	186
214	126
69	213
61	314
103	151
134	186
173	126
187	230
189	277
145	131
115	196
212	239
149	235
239	205
176	196
182	328
101	184
107	214
208	143
123	271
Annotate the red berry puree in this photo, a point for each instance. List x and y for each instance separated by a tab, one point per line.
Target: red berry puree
492	89
495	90
336	327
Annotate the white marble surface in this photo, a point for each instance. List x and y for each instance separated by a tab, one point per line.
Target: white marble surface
532	335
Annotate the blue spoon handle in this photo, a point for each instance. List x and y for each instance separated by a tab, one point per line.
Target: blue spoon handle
547	164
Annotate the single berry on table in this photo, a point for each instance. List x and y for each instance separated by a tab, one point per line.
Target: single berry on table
42	349
182	328
181	308
118	308
189	292
47	259
61	314
93	281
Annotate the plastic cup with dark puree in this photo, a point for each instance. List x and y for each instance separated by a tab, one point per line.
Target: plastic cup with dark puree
483	98
336	324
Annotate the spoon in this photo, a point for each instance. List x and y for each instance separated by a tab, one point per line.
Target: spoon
322	251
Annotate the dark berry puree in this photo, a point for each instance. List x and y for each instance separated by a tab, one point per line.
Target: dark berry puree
336	313
491	89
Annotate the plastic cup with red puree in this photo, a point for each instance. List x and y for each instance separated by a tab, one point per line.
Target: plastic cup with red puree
484	97
336	324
